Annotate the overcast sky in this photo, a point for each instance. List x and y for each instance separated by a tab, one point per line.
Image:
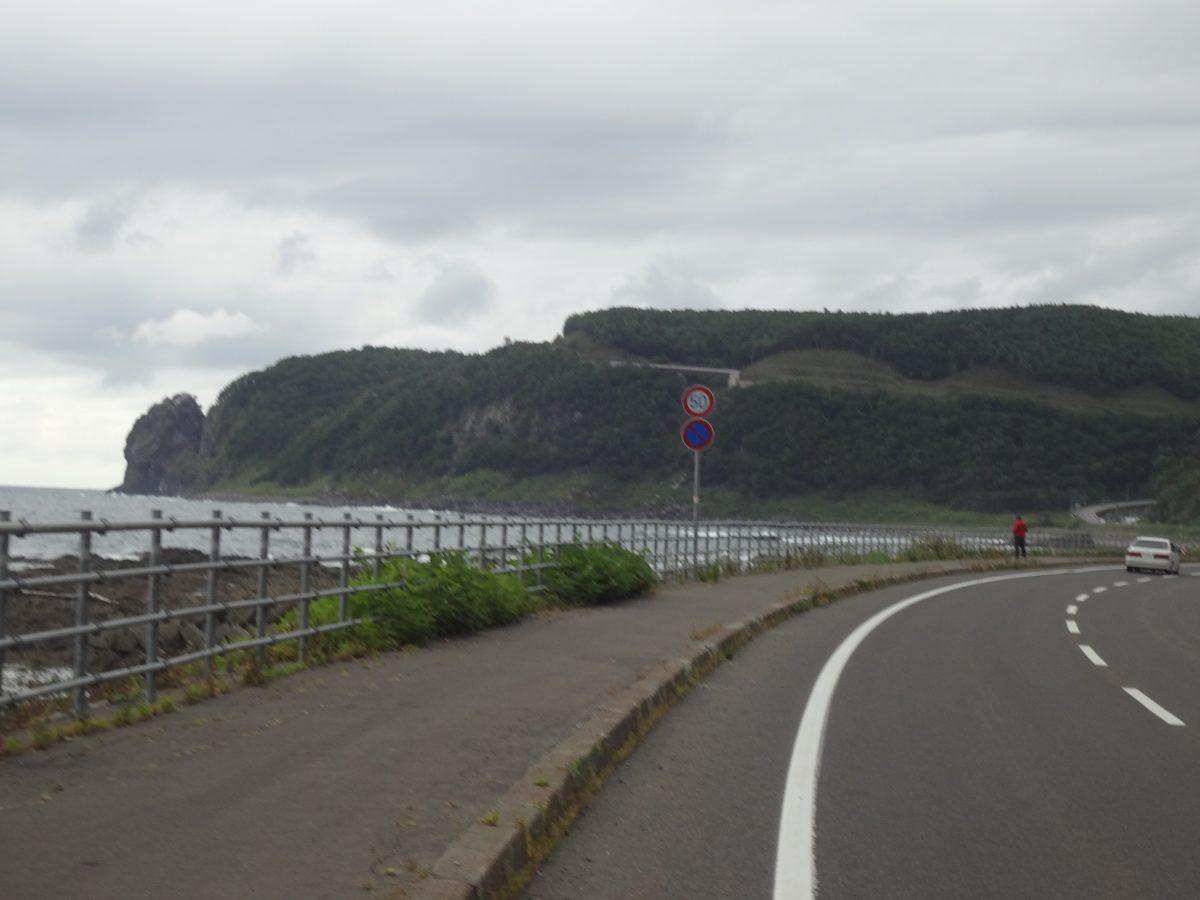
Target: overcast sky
190	191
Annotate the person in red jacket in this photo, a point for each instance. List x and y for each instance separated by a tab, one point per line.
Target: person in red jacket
1020	529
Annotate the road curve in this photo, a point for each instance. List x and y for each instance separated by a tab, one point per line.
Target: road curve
972	749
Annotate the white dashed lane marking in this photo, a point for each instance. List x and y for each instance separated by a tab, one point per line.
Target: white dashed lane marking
1073	628
1092	655
1141	698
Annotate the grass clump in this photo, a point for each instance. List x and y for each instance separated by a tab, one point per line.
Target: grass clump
599	573
936	548
443	596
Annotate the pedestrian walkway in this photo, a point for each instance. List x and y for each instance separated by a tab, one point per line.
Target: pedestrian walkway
414	775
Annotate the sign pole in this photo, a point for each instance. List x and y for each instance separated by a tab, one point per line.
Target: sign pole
697	435
696	512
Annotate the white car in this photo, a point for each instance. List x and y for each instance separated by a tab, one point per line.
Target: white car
1153	554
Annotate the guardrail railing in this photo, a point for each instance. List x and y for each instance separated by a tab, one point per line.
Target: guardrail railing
232	580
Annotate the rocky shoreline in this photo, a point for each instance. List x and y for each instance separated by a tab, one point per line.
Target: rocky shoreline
117	597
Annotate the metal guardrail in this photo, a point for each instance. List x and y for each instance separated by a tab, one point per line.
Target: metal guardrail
320	557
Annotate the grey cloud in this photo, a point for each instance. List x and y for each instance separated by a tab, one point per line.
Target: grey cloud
100	226
93	325
459	292
1157	262
294	254
667	285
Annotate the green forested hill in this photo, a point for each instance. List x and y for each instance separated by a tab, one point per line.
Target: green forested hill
1094	350
555	424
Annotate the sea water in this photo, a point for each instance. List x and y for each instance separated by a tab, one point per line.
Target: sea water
61	506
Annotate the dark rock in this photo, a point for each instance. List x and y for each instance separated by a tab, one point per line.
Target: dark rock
162	452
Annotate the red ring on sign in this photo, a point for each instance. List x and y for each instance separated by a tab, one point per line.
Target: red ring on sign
702	397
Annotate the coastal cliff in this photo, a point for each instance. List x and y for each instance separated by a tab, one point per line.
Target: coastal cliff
162	452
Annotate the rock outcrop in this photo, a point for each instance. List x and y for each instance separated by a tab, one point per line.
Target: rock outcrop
162	452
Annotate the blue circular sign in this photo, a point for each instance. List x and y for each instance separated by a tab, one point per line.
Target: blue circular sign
697	434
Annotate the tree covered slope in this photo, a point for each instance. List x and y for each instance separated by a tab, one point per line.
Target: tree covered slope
385	421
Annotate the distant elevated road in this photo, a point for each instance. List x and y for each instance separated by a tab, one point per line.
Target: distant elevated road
1098	514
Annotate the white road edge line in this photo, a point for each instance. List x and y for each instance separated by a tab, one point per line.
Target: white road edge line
795	853
1120	584
1072	626
1092	655
1081	598
1072	609
1153	707
1099	589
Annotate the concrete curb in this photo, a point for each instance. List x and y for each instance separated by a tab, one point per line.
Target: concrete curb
494	861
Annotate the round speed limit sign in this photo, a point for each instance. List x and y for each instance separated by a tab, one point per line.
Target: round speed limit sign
698	401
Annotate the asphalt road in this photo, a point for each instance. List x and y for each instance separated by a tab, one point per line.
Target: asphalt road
972	748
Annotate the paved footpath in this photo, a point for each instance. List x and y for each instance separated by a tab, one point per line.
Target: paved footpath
370	778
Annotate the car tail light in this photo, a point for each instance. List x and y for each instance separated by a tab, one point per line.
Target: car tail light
1160	556
1134	553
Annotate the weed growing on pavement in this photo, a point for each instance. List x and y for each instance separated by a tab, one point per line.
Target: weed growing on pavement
46	736
491	818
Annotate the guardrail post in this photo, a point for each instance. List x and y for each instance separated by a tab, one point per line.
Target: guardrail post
260	612
521	551
210	620
305	584
5	517
377	566
153	604
437	533
504	543
483	545
344	575
81	614
541	552
408	536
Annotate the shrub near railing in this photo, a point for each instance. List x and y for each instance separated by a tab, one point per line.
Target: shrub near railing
579	575
446	595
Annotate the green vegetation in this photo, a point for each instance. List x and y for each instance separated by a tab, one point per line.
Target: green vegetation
586	576
1096	351
1177	489
448	595
947	417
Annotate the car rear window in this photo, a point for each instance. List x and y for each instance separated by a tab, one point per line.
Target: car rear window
1152	544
